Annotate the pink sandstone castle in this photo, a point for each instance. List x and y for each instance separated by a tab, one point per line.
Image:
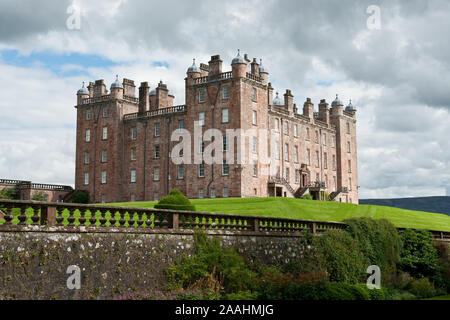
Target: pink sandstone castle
125	150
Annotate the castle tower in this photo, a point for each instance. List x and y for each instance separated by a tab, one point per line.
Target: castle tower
83	93
239	66
263	73
117	89
192	73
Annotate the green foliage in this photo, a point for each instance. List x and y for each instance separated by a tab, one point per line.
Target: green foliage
442	280
422	288
242	295
307	197
342	257
9	193
418	257
80	196
210	261
175	200
379	241
39	196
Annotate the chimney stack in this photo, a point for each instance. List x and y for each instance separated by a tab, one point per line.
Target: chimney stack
215	65
143	97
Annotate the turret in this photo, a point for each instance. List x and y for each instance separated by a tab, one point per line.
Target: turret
239	66
324	112
308	109
83	93
351	109
117	89
192	73
263	73
336	107
143	97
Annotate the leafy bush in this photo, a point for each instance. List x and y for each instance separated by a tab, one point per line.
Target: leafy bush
422	288
442	279
211	267
379	241
165	295
242	295
9	194
418	257
341	257
39	196
175	200
80	196
307	197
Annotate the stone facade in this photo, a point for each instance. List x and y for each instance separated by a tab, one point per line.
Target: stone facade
131	159
26	190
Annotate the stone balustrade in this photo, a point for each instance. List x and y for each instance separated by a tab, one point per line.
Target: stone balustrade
22	215
156	112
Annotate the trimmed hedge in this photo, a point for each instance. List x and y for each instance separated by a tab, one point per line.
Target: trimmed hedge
175	200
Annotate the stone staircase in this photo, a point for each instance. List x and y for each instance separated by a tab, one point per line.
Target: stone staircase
340	190
301	191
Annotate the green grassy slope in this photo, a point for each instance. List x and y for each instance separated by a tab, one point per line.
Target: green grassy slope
314	210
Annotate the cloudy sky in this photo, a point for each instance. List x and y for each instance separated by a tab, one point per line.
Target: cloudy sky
398	75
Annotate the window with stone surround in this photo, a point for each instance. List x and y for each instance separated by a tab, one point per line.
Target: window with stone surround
157	129
180	172
295	130
87	157
105	133
255	145
325	160
180	125
103	198
225	168
286	152
277	150
225	92
308	157
254	117
224	143
133	176
104	177
213	192
334	162
155	174
348	128
133	133
277	172
254	94
316	140
104	155
201	95
287	174
349	184
224	115
105	112
317	159
157	152
133	154
297	176
255	168
88	114
277	125
334	183
326	181
324	139
200	193
225	192
307	134
86	179
295	154
286	127
349	166
348	147
201	169
155	196
133	197
87	136
201	118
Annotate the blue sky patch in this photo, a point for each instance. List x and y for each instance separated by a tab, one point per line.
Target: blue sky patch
160	64
324	83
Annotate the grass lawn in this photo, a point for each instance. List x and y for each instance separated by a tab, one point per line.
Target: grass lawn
447	297
313	210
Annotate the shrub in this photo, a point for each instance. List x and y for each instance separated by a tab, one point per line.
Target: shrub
442	279
9	193
379	241
342	257
422	288
39	196
418	257
80	196
175	200
164	295
211	266
307	197
242	295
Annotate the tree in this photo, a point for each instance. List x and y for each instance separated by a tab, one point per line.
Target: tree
39	196
9	193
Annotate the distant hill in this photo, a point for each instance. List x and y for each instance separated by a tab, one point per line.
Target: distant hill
428	204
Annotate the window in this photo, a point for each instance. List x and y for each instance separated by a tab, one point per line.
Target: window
317	177
254	94
104	155
88	135
334	184
307	134
334	162
349	184
155	174
180	172
324	139
103	198
255	168
225	92
201	118
295	130
277	150
200	193
133	197
308	157
225	168
333	143
254	117
86	179
287	174
213	192
86	158
157	152
157	129
349	166
224	115
202	145
277	173
348	128
105	112
317	137
88	114
326	181
255	145
155	196
103	177
225	192
105	133
348	146
277	125
133	154
224	143
297	176
286	127
317	159
181	125
133	133
325	160
286	152
295	154
201	95
201	169
133	176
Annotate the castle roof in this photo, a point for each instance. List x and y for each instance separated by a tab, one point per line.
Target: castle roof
337	102
238	59
277	101
83	90
116	84
350	106
193	68
261	67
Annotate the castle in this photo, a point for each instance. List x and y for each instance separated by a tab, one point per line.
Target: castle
260	145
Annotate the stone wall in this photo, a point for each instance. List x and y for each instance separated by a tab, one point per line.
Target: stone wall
33	265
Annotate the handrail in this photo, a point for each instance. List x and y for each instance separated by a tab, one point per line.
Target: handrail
156	112
21	214
30	185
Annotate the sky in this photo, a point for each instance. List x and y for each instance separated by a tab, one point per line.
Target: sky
392	58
